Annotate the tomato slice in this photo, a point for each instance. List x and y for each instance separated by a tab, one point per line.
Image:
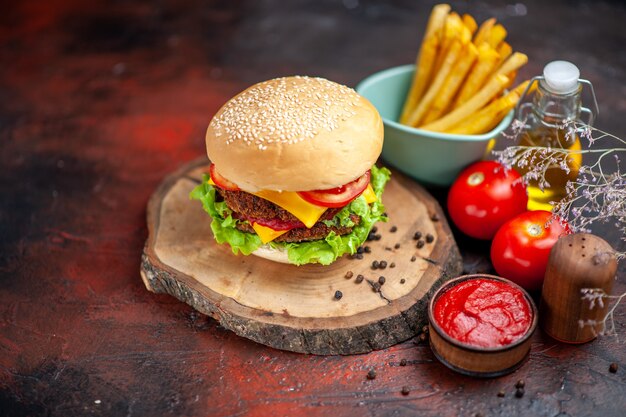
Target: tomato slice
338	196
220	181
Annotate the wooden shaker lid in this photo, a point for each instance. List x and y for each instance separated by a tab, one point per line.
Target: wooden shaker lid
577	261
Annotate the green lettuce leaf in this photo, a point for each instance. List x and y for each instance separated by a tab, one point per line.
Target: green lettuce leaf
323	251
223	224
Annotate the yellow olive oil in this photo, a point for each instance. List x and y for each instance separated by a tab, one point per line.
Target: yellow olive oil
555	175
551	126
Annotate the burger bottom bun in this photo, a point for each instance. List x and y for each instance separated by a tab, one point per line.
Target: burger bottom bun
272	254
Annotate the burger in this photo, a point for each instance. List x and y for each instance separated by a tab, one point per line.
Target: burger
292	175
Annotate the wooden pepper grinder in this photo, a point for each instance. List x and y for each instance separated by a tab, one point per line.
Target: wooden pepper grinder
576	261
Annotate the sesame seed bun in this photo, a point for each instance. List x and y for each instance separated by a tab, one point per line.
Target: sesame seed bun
294	134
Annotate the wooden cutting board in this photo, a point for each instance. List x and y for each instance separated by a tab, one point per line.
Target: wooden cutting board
294	307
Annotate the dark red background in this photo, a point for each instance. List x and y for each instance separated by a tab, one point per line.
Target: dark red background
100	100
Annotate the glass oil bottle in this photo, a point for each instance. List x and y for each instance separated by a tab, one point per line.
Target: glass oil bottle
552	121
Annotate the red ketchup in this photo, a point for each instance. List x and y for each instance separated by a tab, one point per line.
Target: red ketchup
483	312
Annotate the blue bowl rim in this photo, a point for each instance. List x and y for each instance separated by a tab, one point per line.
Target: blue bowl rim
394	71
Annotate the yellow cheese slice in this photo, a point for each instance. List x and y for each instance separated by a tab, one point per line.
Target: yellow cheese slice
304	211
369	194
267	234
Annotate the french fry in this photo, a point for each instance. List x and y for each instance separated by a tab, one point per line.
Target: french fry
437	19
512	75
452	83
452	31
513	63
484	31
425	59
505	51
453	53
497	36
470	23
493	87
489	117
485	65
423	70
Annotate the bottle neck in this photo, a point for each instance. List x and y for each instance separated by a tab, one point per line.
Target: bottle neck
554	109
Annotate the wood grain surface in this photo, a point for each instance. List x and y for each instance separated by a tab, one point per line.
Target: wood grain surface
293	307
99	101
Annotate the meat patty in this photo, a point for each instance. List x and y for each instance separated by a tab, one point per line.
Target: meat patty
318	231
250	205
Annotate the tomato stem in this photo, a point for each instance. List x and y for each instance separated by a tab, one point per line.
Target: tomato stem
534	229
476	178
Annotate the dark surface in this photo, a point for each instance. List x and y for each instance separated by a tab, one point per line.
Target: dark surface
99	101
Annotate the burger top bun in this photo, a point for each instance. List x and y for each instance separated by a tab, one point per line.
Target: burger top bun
294	134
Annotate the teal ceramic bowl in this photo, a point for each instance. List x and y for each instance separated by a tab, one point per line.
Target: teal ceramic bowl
429	157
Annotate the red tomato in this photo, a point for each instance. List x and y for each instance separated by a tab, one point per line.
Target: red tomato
220	181
521	248
338	196
484	196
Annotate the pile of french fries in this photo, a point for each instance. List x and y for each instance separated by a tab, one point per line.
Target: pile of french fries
461	74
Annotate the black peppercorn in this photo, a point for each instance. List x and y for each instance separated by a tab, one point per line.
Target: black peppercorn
375	287
396	246
374	229
403	362
429	238
405	390
359	279
338	295
413	258
371	374
420	244
381	280
360	249
613	368
382	264
519	393
402	281
359	256
392	265
375	265
417	236
520	384
367	249
349	274
393	229
377	237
